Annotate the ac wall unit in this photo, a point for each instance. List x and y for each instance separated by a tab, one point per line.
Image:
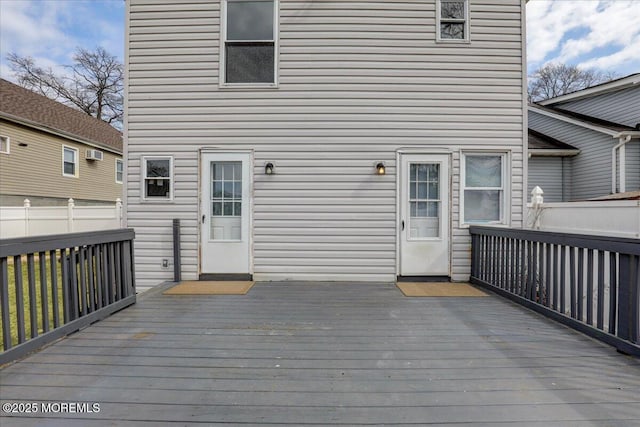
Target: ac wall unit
94	155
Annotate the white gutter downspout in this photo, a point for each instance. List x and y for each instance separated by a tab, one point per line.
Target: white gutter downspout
620	147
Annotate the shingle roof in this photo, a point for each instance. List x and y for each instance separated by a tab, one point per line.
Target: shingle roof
587	120
29	107
540	141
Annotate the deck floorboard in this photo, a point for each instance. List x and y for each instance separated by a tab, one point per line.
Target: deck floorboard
327	354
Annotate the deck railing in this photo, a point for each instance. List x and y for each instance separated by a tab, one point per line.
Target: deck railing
51	286
590	283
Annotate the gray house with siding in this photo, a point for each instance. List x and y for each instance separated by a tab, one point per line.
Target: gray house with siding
592	142
322	140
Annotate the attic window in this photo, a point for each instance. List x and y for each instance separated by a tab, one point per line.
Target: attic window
250	42
453	20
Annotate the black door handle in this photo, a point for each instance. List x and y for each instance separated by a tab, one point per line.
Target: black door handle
203	219
402	222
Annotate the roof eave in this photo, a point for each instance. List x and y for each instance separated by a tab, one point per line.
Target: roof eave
618	84
59	133
551	152
577	122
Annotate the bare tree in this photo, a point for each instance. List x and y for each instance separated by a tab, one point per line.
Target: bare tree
558	79
94	83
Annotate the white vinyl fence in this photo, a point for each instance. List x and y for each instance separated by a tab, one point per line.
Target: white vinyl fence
16	221
615	218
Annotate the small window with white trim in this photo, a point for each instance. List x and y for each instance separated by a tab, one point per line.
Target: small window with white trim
119	171
483	187
158	177
69	161
4	144
452	20
249	37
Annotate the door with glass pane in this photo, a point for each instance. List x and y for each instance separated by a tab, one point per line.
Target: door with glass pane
225	211
424	215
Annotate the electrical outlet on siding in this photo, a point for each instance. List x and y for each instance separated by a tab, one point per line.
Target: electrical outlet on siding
165	264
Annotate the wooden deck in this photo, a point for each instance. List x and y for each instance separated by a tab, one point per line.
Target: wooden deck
323	354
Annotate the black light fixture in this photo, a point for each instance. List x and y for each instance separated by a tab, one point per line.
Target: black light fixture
269	168
380	169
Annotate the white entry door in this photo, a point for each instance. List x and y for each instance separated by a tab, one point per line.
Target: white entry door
424	215
225	213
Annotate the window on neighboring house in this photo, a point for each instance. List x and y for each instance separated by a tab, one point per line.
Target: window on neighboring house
453	20
158	175
119	171
69	161
4	144
483	188
249	37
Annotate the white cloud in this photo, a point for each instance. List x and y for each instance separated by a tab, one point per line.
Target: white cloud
51	30
601	34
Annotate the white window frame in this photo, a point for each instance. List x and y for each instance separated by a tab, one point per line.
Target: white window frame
143	180
116	166
505	202
439	20
222	83
76	162
5	141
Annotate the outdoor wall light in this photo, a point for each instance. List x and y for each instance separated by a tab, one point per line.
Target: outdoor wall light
269	168
380	169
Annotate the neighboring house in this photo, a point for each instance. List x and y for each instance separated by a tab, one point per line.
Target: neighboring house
316	140
50	152
596	132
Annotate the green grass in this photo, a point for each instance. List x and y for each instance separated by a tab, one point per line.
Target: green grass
13	318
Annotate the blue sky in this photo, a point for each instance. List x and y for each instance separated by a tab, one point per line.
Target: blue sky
590	33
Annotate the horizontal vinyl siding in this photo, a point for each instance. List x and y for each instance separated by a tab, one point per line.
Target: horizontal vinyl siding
358	80
35	169
632	154
591	169
546	173
621	107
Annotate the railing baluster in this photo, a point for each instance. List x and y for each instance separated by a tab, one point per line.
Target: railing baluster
17	270
112	273
600	297
73	282
590	274
548	285
65	285
82	280
99	275
624	297
561	286
613	291
572	283
105	276
580	293
118	268
91	306
33	303
44	300
4	303
53	267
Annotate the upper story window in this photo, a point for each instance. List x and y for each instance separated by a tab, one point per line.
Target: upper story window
119	171
4	144
249	37
483	188
69	161
453	20
158	177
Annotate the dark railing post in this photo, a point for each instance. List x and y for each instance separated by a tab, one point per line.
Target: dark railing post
624	298
176	251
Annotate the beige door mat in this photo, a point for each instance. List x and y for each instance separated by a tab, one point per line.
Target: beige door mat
209	288
439	289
